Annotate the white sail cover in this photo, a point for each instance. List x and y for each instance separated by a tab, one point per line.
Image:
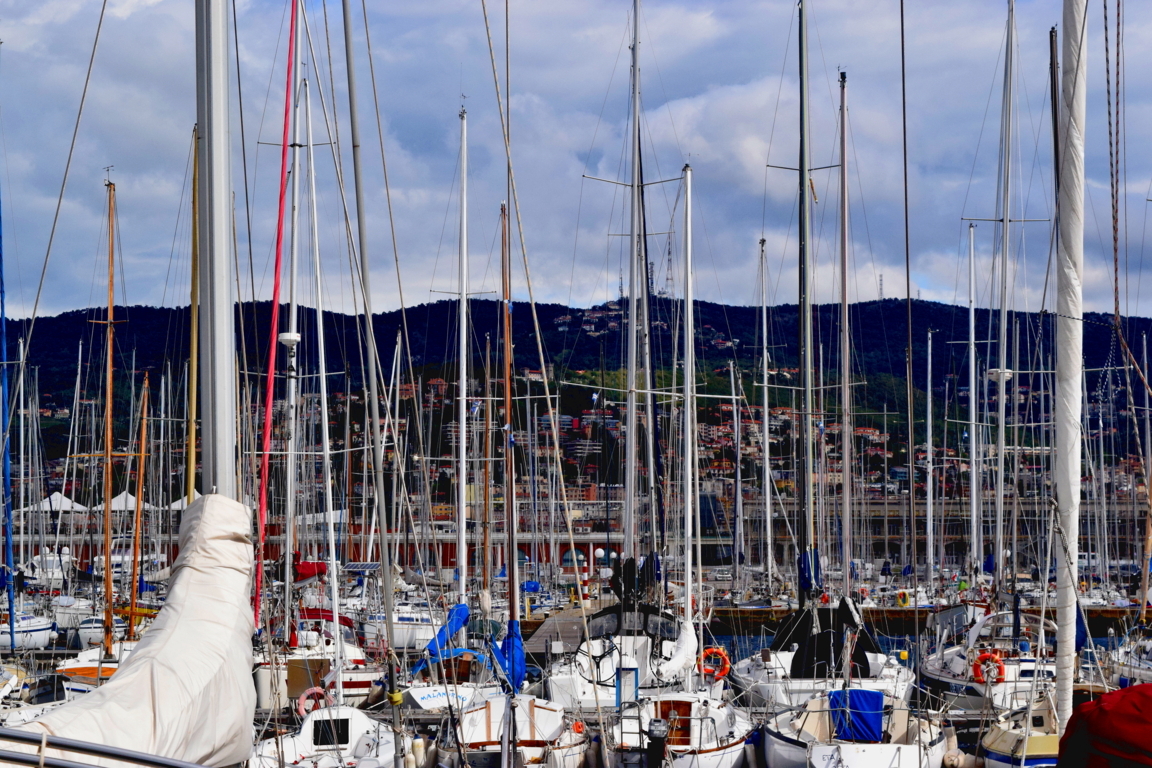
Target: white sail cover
1066	408
186	692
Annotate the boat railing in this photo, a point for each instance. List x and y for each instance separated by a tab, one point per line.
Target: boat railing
42	742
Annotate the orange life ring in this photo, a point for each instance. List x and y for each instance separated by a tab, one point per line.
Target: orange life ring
318	696
578	726
864	592
978	667
720	668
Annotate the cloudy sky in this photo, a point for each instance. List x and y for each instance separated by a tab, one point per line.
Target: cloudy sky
719	91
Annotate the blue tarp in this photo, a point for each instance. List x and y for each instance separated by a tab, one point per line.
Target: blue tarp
809	570
857	715
532	587
1081	631
511	656
452	653
438	646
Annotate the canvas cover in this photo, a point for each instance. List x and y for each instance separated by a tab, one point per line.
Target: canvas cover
1111	731
186	692
816	634
857	715
439	645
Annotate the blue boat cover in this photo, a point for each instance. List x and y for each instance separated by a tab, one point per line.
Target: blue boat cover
511	656
857	715
452	653
438	646
532	587
810	570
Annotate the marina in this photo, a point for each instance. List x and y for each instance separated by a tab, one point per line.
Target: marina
595	514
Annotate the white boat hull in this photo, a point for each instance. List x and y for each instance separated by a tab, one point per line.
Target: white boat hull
32	633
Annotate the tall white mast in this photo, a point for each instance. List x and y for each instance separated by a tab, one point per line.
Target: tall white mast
691	496
218	345
634	235
373	381
325	439
738	481
846	431
462	391
930	470
766	469
975	464
1002	373
1069	340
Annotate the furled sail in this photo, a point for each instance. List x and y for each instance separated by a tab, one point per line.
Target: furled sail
186	692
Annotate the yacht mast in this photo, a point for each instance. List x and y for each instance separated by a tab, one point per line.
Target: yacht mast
511	514
738	481
805	532
217	362
766	492
325	437
290	338
1069	341
373	382
141	468
929	468
846	431
462	389
6	436
975	463
193	333
691	496
634	277
109	333
1002	373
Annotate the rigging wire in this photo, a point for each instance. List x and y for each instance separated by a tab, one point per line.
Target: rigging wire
60	199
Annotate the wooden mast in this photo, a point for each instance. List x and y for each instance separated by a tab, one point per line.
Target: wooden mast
141	465
194	340
108	339
511	518
486	525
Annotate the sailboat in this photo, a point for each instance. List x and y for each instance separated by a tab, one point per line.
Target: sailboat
689	723
1002	660
450	674
186	690
636	633
816	647
518	727
322	649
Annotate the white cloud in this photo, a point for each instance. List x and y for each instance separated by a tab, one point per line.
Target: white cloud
719	92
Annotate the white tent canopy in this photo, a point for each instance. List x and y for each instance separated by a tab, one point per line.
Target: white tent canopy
125	502
182	502
57	502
